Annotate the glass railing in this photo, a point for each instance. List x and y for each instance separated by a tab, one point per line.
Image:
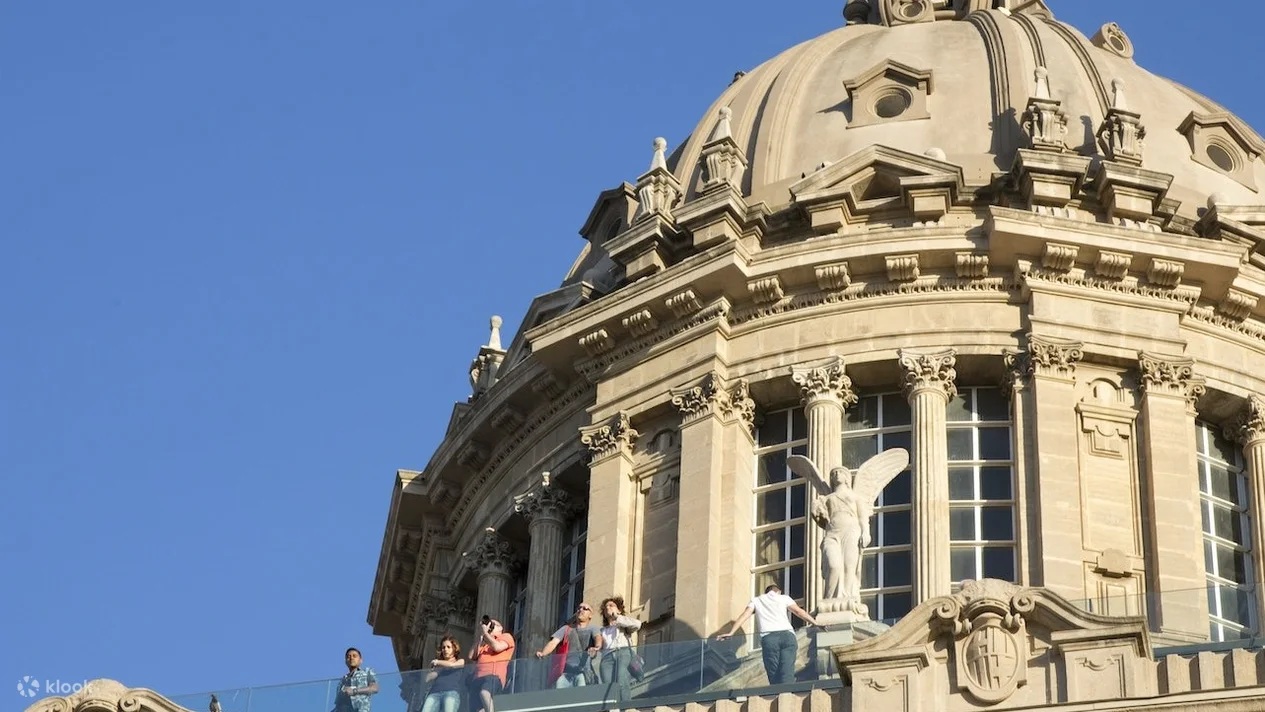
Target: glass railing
1219	617
669	673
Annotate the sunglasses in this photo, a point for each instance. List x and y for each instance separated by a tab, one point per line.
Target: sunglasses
584	608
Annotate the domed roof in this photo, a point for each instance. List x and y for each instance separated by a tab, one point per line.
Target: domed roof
926	78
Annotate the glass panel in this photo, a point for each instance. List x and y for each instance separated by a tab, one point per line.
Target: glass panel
799	424
870	601
771	468
799	450
897	528
961	483
769	547
896	605
773	430
959	409
1224	449
1223	484
962	564
961	445
863	415
1223	523
763	580
857	450
996	483
771	507
999	563
896	411
799	498
991	405
897	568
994	443
895	440
795	583
962	524
997	524
797	541
899	490
869	570
1231	564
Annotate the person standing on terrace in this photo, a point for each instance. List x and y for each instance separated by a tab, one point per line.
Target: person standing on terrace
494	648
617	652
445	678
356	686
583	641
777	636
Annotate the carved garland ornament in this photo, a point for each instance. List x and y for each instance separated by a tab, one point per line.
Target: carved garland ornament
929	371
615	436
824	382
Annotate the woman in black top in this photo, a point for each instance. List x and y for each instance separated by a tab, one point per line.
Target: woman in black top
445	677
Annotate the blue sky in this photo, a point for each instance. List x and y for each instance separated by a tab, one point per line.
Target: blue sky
250	249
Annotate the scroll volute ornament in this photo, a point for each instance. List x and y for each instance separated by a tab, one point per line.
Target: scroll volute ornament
929	371
606	439
824	382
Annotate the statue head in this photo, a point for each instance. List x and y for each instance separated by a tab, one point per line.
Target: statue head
841	475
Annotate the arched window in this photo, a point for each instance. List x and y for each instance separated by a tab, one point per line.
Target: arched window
572	592
1223	505
781	504
981	487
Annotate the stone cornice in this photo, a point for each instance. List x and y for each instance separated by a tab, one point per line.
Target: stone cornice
1248	428
928	371
1171	376
685	302
614	437
825	381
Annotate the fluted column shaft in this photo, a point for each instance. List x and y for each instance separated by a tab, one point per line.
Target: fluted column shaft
1249	431
547	511
495	561
826	392
929	384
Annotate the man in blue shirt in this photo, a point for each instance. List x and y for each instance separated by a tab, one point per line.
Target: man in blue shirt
357	685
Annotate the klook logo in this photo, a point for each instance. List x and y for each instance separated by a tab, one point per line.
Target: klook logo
28	686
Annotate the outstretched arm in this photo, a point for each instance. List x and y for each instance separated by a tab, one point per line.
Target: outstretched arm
802	614
742	618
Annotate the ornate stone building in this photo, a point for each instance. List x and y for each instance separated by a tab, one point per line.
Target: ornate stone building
957	227
962	228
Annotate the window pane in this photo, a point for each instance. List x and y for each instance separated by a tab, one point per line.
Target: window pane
769	547
799	450
959	409
863	415
961	483
799	424
1223	484
1236	604
1223	523
895	440
797	541
897	529
869	571
1223	449
764	579
857	450
996	483
899	490
896	411
991	405
994	443
961	446
962	524
771	507
896	605
795	583
771	468
1231	564
773	430
799	497
897	568
996	524
962	564
999	563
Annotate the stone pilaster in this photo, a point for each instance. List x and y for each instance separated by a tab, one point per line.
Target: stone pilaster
717	454
547	509
929	385
608	554
1169	390
1249	431
826	391
495	561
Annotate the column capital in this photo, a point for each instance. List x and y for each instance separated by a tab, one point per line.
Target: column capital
615	436
1248	428
713	396
545	504
493	555
824	382
1171	375
929	371
1052	357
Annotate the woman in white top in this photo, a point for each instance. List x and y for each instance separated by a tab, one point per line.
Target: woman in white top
617	651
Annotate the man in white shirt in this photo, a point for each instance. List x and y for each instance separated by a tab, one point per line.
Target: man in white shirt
777	636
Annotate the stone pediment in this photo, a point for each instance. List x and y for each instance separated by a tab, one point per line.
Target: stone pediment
878	180
995	644
107	696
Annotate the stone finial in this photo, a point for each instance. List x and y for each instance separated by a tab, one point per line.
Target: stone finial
1043	120
722	128
494	341
657	189
485	365
1122	135
856	12
722	160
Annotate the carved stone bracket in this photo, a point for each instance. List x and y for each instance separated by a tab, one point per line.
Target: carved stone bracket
929	371
825	381
493	555
1171	375
712	396
1249	427
613	437
473	455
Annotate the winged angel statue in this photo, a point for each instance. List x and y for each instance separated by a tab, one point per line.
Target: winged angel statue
843	509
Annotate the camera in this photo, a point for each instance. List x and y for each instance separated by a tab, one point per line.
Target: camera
487	621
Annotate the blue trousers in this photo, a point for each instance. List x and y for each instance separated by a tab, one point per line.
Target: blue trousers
778	649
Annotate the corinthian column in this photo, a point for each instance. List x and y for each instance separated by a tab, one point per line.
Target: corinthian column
826	391
714	522
929	384
608	556
1249	431
1169	391
494	559
547	510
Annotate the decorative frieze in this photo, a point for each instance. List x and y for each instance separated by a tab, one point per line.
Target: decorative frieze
507	419
683	304
640	323
493	554
1165	273
1249	427
766	290
929	372
833	277
1113	265
1237	305
1053	358
825	381
473	455
597	342
615	436
902	268
971	265
1171	375
1059	256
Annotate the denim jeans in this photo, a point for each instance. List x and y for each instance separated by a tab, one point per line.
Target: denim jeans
442	702
614	673
778	649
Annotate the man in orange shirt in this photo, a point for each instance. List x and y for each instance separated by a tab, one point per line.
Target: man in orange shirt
494	648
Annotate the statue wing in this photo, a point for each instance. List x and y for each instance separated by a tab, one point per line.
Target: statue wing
805	468
877	471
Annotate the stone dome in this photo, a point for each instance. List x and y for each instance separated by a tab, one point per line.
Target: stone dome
955	81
